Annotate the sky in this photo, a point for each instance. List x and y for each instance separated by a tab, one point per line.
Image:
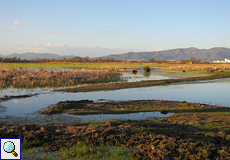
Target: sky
101	27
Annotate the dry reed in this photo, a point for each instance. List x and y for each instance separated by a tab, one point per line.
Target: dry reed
19	78
190	67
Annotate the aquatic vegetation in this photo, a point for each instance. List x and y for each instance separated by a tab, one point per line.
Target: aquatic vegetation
199	67
19	78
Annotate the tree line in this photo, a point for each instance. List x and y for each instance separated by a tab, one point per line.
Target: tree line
42	60
78	59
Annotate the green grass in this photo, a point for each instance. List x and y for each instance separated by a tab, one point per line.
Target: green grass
74	65
78	108
82	151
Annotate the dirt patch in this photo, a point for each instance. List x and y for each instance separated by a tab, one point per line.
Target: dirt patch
164	141
114	86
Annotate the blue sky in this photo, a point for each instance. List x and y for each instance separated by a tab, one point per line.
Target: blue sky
101	27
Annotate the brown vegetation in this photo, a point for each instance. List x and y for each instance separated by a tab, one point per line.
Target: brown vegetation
151	139
23	78
113	86
201	134
189	67
90	107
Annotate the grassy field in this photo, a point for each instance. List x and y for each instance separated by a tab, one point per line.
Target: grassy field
74	65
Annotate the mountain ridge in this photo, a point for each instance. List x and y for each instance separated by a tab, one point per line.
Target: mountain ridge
216	53
32	55
209	55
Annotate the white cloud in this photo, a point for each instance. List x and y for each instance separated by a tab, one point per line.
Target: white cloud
24	101
17	24
61	49
64	49
105	31
45	32
63	32
156	49
38	25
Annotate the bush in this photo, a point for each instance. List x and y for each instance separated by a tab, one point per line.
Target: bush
146	69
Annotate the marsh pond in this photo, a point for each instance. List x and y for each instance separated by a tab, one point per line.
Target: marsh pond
26	109
158	115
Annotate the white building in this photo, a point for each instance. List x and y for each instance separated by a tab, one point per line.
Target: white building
226	60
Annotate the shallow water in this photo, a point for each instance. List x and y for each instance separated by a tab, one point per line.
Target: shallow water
215	92
155	74
66	118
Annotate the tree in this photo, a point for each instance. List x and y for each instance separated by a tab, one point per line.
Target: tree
193	60
152	60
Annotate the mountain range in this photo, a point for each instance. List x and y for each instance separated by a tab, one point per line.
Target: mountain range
209	55
32	55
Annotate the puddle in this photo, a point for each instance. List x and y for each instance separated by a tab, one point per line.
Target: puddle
67	118
155	74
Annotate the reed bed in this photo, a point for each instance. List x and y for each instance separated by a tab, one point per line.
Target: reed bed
19	78
193	67
114	69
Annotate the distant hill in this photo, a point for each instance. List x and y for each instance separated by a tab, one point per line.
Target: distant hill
208	55
31	55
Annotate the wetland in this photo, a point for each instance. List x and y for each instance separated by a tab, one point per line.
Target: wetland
168	114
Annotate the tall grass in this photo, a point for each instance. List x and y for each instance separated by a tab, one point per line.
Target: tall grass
19	78
191	67
82	151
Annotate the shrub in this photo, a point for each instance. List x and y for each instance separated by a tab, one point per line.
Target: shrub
146	69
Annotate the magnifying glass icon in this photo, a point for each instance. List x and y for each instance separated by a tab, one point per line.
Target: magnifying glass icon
9	147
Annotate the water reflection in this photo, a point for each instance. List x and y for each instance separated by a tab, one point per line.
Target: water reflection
154	74
130	116
215	92
66	118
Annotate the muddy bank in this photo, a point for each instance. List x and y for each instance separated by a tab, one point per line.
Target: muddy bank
84	107
114	86
151	139
5	98
196	131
